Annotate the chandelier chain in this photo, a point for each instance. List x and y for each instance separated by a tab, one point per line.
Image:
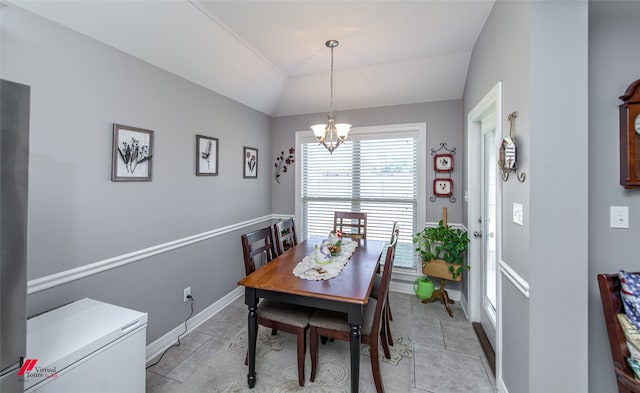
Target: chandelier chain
331	103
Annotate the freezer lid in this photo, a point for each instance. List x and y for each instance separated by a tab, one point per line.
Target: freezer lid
60	337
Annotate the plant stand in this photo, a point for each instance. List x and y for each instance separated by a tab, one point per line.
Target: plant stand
440	269
442	295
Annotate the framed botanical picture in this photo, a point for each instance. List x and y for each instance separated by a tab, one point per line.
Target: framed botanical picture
250	160
442	187
132	153
206	156
443	162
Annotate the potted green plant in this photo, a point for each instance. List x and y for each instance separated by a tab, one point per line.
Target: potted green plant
445	244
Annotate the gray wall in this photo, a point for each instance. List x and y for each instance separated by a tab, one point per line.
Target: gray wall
559	139
613	64
501	54
78	216
539	51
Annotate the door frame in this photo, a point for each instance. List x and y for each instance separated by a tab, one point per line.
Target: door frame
491	102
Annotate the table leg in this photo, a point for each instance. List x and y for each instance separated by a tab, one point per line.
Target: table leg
355	357
355	321
252	320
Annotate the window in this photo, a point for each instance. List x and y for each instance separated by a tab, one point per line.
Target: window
374	171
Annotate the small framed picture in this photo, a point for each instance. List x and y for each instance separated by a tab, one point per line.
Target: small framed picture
206	156
442	187
250	160
132	152
443	162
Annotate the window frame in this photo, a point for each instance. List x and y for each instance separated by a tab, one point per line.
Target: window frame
417	130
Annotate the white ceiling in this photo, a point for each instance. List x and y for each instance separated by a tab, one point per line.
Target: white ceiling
271	55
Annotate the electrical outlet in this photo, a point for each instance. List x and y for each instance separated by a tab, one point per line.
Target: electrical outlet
187	292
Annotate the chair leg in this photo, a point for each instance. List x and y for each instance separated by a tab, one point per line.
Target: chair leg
389	308
302	346
246	359
375	365
383	338
387	325
274	332
313	350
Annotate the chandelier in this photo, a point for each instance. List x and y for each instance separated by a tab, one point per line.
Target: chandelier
331	135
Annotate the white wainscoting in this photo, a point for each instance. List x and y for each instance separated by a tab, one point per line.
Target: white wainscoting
56	279
514	278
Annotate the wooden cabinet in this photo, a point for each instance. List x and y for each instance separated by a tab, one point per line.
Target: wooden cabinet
630	137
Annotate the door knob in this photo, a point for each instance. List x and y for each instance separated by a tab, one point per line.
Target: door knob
477	234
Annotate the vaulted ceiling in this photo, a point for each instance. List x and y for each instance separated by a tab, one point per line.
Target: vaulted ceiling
271	55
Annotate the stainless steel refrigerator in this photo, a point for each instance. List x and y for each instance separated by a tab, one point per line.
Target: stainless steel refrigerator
14	169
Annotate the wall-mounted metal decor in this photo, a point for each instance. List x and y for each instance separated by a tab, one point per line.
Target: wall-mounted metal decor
508	161
443	166
282	162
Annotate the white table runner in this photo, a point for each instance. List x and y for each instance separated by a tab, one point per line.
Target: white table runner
309	269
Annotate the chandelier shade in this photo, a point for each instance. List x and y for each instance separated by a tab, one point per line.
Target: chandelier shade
331	135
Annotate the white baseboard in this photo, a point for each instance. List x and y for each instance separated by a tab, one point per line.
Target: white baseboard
465	305
502	388
158	346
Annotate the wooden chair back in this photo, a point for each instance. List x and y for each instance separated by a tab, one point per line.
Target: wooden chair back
285	235
395	230
257	248
611	305
351	224
385	280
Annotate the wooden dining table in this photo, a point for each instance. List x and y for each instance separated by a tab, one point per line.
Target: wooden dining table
348	292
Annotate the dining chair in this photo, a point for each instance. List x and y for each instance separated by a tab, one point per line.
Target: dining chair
376	289
258	248
335	325
351	224
285	235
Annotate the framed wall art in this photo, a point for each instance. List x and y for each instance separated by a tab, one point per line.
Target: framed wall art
250	161
442	168
206	156
442	187
443	162
132	153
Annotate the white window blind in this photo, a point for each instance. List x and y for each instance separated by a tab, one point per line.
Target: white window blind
372	174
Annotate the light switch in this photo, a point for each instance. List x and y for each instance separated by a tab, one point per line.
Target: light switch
619	216
518	213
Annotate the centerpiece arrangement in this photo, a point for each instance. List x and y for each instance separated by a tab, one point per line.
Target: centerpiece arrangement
330	248
327	258
334	243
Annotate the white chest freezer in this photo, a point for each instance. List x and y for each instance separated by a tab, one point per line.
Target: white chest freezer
86	346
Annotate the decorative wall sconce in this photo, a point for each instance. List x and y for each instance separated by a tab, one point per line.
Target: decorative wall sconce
509	153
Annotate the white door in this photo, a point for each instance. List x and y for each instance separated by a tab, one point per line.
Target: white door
489	220
484	131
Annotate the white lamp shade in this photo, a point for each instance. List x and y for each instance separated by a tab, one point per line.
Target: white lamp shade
318	130
343	129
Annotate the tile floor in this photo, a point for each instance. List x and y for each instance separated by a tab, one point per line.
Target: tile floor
447	357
